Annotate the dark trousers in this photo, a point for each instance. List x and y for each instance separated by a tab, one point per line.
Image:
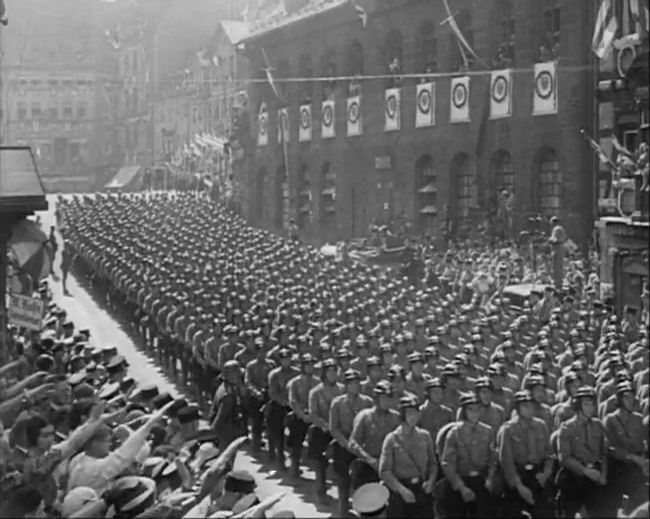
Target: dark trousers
578	491
253	407
625	479
455	506
318	441
297	432
423	506
514	504
275	426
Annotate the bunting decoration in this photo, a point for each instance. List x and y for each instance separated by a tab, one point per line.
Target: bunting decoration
283	125
327	119
393	117
354	116
500	94
425	109
304	132
263	126
545	89
459	112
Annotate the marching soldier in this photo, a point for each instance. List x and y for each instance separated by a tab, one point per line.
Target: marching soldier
227	412
408	464
342	413
416	380
433	413
524	455
256	379
491	414
374	375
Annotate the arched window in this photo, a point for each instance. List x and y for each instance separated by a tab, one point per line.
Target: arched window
428	47
305	69
427	193
502	176
464	22
327	206
328	69
304	197
354	66
549	192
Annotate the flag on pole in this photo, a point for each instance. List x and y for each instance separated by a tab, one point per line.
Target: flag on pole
620	148
3	12
269	77
605	30
451	20
598	150
361	13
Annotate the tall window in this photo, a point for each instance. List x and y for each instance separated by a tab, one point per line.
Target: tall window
428	47
463	191
305	70
393	56
549	182
502	174
354	66
504	55
21	111
550	30
328	69
427	192
81	110
327	206
36	110
304	197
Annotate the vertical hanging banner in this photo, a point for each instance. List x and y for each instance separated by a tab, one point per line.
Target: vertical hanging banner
263	127
354	116
283	119
304	132
327	119
459	112
393	109
545	89
500	94
425	109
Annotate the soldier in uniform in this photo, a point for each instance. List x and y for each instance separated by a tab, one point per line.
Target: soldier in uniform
226	415
256	379
582	446
408	464
469	463
524	454
318	435
628	456
278	406
342	412
299	420
491	414
369	429
416	380
374	375
433	413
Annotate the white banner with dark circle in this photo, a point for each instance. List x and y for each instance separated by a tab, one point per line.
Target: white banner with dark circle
459	111
304	132
328	121
283	119
354	116
263	128
545	88
500	94
393	111
425	110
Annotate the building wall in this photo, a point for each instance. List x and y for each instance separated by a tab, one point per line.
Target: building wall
364	193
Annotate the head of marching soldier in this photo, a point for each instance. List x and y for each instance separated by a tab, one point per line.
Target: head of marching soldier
524	404
416	363
585	402
329	372
352	381
387	354
484	387
625	395
397	378
307	364
451	376
470	407
435	390
571	383
373	365
537	387
409	410
383	393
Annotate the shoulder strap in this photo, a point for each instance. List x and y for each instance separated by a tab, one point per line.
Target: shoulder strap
411	457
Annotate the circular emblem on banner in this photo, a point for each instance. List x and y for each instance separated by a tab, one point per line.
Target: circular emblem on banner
500	89
544	84
328	116
459	95
353	112
625	59
305	119
424	101
391	106
262	124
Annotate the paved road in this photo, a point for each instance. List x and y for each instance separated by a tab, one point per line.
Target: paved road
86	313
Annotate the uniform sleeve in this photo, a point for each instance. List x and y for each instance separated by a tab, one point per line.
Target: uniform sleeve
387	458
566	459
358	430
449	458
431	455
313	402
506	458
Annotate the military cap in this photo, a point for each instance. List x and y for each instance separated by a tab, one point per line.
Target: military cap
450	370
535	380
44	362
51	321
623	375
351	375
523	396
370	500
109	350
284	353
189	413
148	392
116	364
109	391
625	387
483	383
328	364
434	340
240	481
234	364
409	402
82	391
586	392
174	409
344	353
77	378
435	382
570	377
468	399
153	466
396	371
386	348
307	358
373	361
382	388
415	357
134	495
162	400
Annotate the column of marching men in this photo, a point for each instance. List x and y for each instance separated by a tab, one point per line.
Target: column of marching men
461	406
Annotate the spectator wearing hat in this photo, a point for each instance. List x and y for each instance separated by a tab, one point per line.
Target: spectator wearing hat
239	488
318	434
582	447
24	502
227	412
256	379
188	418
343	410
408	464
298	419
524	455
279	406
627	465
468	462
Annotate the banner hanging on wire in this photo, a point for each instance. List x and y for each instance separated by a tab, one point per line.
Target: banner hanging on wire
545	88
354	116
425	101
459	111
392	109
500	94
328	127
304	132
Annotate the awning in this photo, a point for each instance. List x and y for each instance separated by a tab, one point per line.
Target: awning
20	184
430	209
329	191
125	176
429	188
